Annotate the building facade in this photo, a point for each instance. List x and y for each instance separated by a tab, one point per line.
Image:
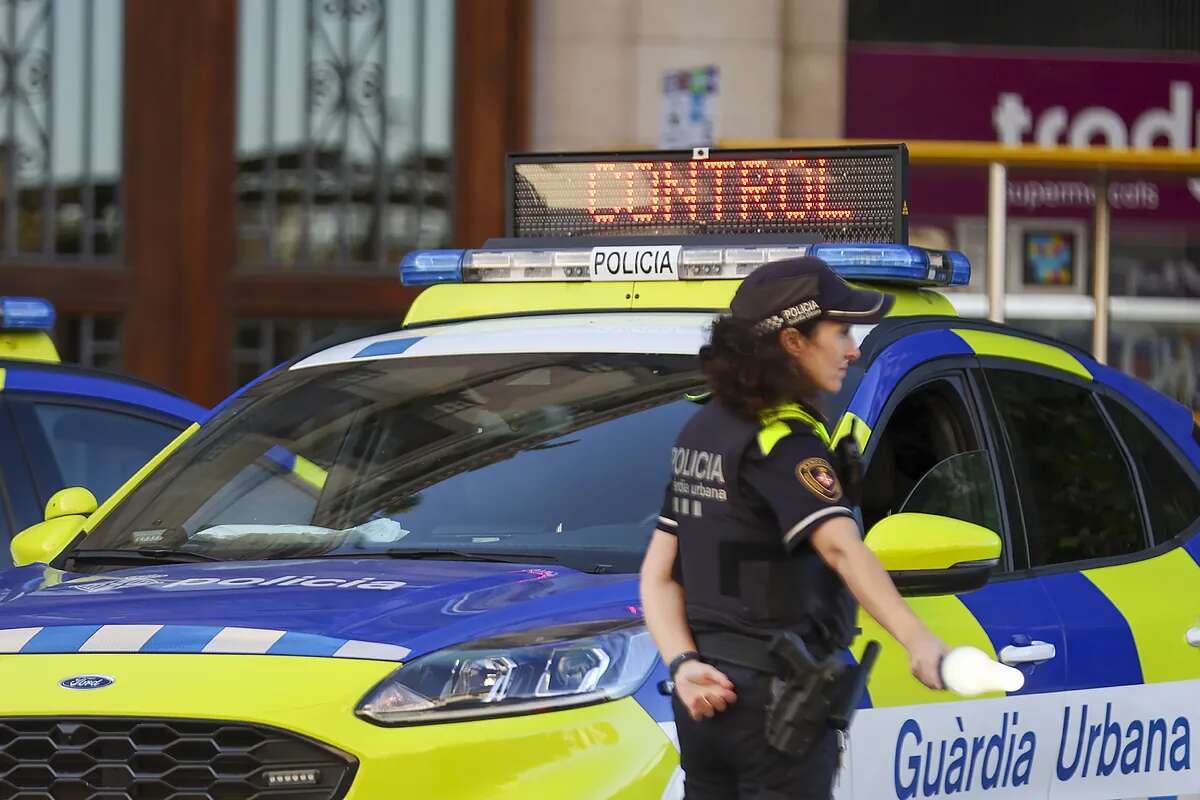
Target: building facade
1069	74
205	189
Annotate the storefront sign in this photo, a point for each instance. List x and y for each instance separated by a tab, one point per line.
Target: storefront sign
1037	97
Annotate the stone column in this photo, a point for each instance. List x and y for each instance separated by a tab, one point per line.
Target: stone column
814	68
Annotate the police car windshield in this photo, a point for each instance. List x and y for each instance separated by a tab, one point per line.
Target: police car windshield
562	454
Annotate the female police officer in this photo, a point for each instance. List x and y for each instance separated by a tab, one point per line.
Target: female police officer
757	538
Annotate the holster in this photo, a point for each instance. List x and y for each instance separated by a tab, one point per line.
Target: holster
801	696
810	697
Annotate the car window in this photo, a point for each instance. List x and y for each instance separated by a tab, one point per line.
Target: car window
1172	497
98	448
926	429
565	455
6	531
961	487
1076	489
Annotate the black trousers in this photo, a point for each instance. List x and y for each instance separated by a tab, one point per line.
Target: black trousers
727	757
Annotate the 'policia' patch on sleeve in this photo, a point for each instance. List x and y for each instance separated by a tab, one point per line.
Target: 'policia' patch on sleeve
819	478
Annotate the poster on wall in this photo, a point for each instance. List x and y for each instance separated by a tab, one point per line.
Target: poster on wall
689	108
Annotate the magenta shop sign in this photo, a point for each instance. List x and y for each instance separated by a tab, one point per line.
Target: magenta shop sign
1029	96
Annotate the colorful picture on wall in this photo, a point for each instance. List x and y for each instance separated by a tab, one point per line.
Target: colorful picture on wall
1049	258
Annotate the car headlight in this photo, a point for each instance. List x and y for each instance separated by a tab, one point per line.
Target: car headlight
567	665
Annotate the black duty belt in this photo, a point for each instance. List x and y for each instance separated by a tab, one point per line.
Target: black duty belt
739	649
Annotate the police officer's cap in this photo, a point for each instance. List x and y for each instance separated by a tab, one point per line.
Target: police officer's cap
789	292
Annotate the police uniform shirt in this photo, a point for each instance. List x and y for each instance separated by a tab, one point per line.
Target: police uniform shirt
744	505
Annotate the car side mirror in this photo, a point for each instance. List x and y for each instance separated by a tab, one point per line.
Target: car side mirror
66	512
41	543
930	554
70	502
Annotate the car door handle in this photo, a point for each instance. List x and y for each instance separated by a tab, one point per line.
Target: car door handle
1193	636
1027	654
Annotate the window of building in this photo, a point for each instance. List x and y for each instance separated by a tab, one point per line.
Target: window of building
90	340
1076	490
60	129
1172	497
344	131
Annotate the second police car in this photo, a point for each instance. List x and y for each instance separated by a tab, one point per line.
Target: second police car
408	562
64	426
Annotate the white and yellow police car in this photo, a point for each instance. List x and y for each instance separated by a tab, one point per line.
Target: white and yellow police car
406	564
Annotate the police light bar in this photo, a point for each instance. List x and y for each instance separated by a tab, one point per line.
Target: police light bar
841	194
888	263
26	313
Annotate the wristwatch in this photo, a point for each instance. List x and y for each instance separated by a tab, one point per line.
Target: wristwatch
677	661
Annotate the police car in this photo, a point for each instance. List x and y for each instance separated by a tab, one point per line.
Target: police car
64	426
407	563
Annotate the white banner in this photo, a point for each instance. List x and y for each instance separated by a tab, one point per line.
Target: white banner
1098	744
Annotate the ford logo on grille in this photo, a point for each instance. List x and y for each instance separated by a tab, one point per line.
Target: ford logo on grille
86	682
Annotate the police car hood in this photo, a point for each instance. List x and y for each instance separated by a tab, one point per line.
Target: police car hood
370	607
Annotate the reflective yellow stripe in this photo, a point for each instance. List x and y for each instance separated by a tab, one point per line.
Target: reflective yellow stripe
706	295
1160	599
986	343
1	379
771	435
452	301
28	346
775	427
852	422
139	476
914	302
310	473
892	683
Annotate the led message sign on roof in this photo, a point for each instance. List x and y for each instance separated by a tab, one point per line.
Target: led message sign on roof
834	195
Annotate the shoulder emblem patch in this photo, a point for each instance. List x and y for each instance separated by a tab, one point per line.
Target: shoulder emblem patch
819	478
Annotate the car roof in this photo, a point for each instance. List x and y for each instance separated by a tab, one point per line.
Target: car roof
77	381
680	333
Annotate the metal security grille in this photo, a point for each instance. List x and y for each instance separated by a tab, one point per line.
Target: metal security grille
343	132
156	759
60	101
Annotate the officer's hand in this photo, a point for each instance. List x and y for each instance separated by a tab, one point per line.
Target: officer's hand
925	660
703	689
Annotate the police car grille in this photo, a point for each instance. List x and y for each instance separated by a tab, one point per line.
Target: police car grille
157	759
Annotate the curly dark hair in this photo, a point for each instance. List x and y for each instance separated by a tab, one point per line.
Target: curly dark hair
749	372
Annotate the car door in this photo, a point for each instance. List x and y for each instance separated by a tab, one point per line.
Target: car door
80	441
1109	508
16	484
931	449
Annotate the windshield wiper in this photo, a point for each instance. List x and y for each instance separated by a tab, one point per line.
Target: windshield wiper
463	555
140	556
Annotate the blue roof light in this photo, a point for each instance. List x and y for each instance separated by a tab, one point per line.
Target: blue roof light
960	274
427	267
863	261
893	262
26	313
